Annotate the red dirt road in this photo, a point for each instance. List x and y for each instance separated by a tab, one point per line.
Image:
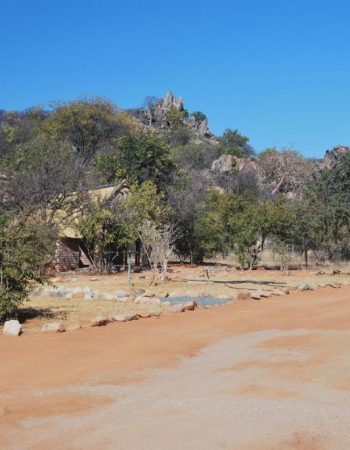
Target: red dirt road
259	375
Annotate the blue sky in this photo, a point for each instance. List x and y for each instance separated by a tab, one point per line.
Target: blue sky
277	70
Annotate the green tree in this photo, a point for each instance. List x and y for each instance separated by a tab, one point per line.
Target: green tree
175	117
90	126
25	248
212	234
140	157
324	213
234	143
19	127
251	223
42	177
241	223
199	116
107	227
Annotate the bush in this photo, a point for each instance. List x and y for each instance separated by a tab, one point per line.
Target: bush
25	249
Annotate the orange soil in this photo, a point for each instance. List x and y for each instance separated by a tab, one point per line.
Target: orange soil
121	352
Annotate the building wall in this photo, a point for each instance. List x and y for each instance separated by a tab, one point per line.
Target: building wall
67	254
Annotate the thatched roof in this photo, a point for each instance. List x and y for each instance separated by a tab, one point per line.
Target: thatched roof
105	195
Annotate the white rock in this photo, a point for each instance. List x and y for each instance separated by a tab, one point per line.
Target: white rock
53	327
190	306
144	315
147	301
44	292
264	294
139	292
58	291
12	328
304	287
76	290
108	296
333	285
139	299
154	301
75	327
124	317
142	300
177	308
190	294
123	299
277	292
99	321
204	294
255	296
96	295
120	293
87	293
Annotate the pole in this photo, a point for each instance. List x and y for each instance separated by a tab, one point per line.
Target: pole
129	266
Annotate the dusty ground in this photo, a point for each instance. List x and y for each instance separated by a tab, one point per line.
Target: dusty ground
253	375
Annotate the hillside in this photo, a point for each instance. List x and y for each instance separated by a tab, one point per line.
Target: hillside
190	194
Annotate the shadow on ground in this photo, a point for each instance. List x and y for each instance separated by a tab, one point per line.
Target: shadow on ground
273	284
25	314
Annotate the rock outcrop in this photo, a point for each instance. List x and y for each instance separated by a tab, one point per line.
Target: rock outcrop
155	116
332	156
227	163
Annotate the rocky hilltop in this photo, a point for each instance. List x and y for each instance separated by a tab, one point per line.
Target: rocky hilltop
159	112
289	169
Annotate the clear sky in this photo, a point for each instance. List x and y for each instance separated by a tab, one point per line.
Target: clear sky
277	70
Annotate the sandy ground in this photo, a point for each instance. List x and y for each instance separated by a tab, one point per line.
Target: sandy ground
252	375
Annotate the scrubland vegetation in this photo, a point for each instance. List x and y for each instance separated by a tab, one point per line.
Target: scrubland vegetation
191	194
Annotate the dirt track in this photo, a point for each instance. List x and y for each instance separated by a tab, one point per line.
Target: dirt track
257	375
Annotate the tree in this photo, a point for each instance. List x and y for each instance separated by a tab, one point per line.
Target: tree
158	243
186	196
140	157
175	117
324	212
211	229
234	143
25	248
199	116
89	125
179	136
19	127
251	223
150	106
41	176
284	172
108	227
241	223
104	233
195	156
